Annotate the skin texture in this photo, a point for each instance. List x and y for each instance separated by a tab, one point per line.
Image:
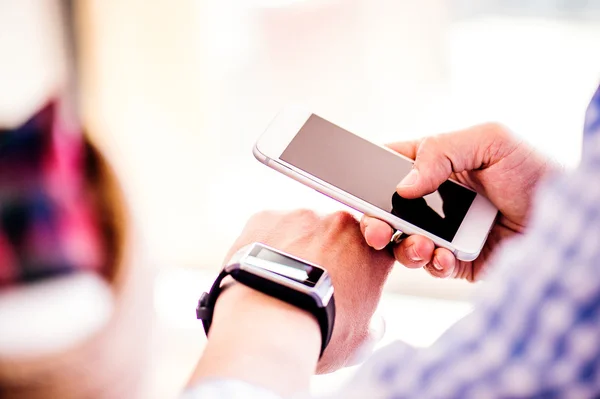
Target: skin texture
487	158
243	349
334	242
358	273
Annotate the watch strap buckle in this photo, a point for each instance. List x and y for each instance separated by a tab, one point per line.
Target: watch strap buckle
203	312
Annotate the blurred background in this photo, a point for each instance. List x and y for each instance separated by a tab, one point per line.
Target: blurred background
177	93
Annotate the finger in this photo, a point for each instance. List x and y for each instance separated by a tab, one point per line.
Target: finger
432	167
406	148
443	263
438	156
415	251
376	232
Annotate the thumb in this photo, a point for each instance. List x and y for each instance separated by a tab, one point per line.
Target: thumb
437	157
432	167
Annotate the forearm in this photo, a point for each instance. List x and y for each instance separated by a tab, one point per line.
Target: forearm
260	340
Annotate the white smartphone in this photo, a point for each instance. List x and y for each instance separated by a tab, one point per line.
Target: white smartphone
364	176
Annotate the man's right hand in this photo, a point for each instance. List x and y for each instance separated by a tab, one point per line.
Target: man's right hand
487	158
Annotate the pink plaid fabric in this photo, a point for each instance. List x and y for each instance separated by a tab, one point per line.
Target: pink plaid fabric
48	224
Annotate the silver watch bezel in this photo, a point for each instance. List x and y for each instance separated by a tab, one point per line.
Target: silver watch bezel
321	293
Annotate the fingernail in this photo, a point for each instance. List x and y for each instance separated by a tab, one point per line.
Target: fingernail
409	179
413	255
437	265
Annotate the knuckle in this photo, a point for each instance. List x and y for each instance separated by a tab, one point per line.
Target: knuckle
261	221
432	154
431	148
496	130
499	140
342	218
495	126
303	221
429	143
261	216
305	214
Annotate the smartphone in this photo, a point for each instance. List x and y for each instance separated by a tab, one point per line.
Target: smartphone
364	176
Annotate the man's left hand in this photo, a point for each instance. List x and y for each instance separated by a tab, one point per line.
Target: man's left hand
334	242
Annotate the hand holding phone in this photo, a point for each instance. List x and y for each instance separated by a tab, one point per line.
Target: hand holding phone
486	157
364	176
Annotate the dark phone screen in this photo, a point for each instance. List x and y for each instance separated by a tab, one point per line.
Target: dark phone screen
372	173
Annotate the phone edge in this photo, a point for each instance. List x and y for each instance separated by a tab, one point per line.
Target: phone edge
350	202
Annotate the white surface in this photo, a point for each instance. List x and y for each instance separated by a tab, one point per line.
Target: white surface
180	337
50	316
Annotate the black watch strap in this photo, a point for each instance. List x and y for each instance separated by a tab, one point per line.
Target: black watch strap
325	316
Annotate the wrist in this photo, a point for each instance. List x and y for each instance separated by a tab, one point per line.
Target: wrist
253	333
239	303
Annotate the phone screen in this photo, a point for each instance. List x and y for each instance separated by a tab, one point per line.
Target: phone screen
372	173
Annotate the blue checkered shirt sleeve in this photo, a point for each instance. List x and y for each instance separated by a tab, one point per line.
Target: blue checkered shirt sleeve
535	330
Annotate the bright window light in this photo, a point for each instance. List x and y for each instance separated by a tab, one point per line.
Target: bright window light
273	3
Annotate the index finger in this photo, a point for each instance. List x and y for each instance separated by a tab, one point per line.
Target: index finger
407	148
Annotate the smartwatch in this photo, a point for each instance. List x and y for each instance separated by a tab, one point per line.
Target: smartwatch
282	276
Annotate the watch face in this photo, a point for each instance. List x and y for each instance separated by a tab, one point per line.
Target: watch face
285	266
